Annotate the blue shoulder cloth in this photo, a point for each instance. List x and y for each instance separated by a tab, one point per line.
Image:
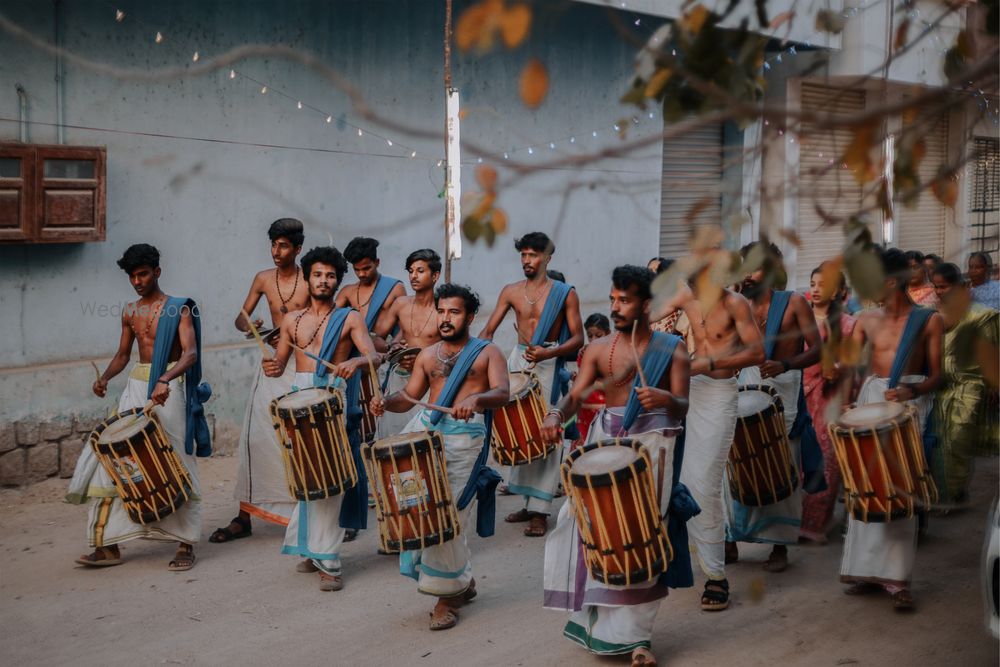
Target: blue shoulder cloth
381	292
483	480
911	332
197	438
775	313
655	363
354	510
554	305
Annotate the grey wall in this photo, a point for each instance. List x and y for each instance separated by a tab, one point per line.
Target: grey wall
207	205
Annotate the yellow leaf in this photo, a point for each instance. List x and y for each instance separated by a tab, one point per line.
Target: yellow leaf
695	19
910	115
658	82
857	155
918	152
831	270
486	176
534	83
946	190
483	206
901	32
707	290
498	221
790	235
463	114
477	25
514	25
781	19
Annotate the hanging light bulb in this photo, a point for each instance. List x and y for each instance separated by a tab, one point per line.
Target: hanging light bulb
388	142
572	140
413	154
360	133
505	156
195	57
439	163
594	133
299	106
479	160
329	119
263	90
119	15
552	145
159	37
232	74
531	151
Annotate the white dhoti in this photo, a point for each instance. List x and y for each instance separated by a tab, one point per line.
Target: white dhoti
536	481
314	529
711	423
883	553
391	423
261	484
445	570
606	620
779	522
108	521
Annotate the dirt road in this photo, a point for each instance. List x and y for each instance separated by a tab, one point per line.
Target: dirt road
244	604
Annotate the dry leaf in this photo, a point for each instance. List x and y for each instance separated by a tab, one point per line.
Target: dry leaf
781	19
910	115
484	204
918	152
857	156
498	220
658	82
789	235
830	271
695	19
696	208
534	83
829	21
514	25
901	33
486	176
946	190
463	114
477	25
706	237
708	290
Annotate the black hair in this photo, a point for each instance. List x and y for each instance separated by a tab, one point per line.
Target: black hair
451	290
289	228
914	256
664	265
556	275
598	320
427	255
324	255
140	254
836	308
934	258
537	241
361	247
985	256
895	264
951	273
628	275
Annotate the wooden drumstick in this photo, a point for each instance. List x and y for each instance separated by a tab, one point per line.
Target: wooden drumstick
256	335
635	354
439	408
97	371
375	385
319	360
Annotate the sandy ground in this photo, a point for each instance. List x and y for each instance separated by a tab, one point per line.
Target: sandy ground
244	604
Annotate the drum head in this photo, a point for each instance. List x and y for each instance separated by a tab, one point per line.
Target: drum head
123	428
398	355
871	415
304	398
520	384
752	402
604	460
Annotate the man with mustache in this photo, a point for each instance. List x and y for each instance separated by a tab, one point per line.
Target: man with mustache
469	376
338	335
261	489
791	343
415	320
723	333
612	620
549	329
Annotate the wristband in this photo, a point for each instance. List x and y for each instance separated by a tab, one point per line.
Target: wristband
163	381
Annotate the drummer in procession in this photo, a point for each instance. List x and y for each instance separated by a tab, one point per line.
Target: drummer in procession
549	329
467	377
606	619
905	342
168	332
321	331
261	489
791	343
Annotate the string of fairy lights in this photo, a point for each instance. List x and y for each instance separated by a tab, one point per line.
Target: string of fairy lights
401	149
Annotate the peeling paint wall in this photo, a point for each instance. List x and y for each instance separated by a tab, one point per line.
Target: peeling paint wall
206	206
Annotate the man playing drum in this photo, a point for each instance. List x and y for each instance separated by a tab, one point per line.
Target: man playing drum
168	333
609	619
906	347
549	329
260	484
787	322
416	319
726	339
316	528
469	377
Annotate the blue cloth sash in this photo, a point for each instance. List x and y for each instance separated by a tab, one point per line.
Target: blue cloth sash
775	314
655	363
911	332
554	305
381	292
483	480
197	437
354	510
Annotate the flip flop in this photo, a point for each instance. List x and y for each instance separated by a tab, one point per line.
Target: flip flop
448	619
182	562
98	559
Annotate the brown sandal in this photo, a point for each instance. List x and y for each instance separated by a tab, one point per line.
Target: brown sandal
643	657
537	526
101	557
443	617
519	516
183	559
902	600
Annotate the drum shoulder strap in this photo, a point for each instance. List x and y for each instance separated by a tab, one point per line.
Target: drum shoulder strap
775	314
456	378
655	363
383	288
907	341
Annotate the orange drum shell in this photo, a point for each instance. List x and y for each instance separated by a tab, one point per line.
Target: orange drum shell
745	452
517	440
310	485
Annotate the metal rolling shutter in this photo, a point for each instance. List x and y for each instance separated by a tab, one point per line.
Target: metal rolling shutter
692	171
823	181
922	226
984	196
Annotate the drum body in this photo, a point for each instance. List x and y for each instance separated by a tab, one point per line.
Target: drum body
517	427
611	485
409	480
314	444
369	422
881	456
149	476
761	469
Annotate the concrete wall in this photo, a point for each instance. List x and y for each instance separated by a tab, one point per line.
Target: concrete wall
207	205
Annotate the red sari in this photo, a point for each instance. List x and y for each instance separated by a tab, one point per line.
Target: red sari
817	508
